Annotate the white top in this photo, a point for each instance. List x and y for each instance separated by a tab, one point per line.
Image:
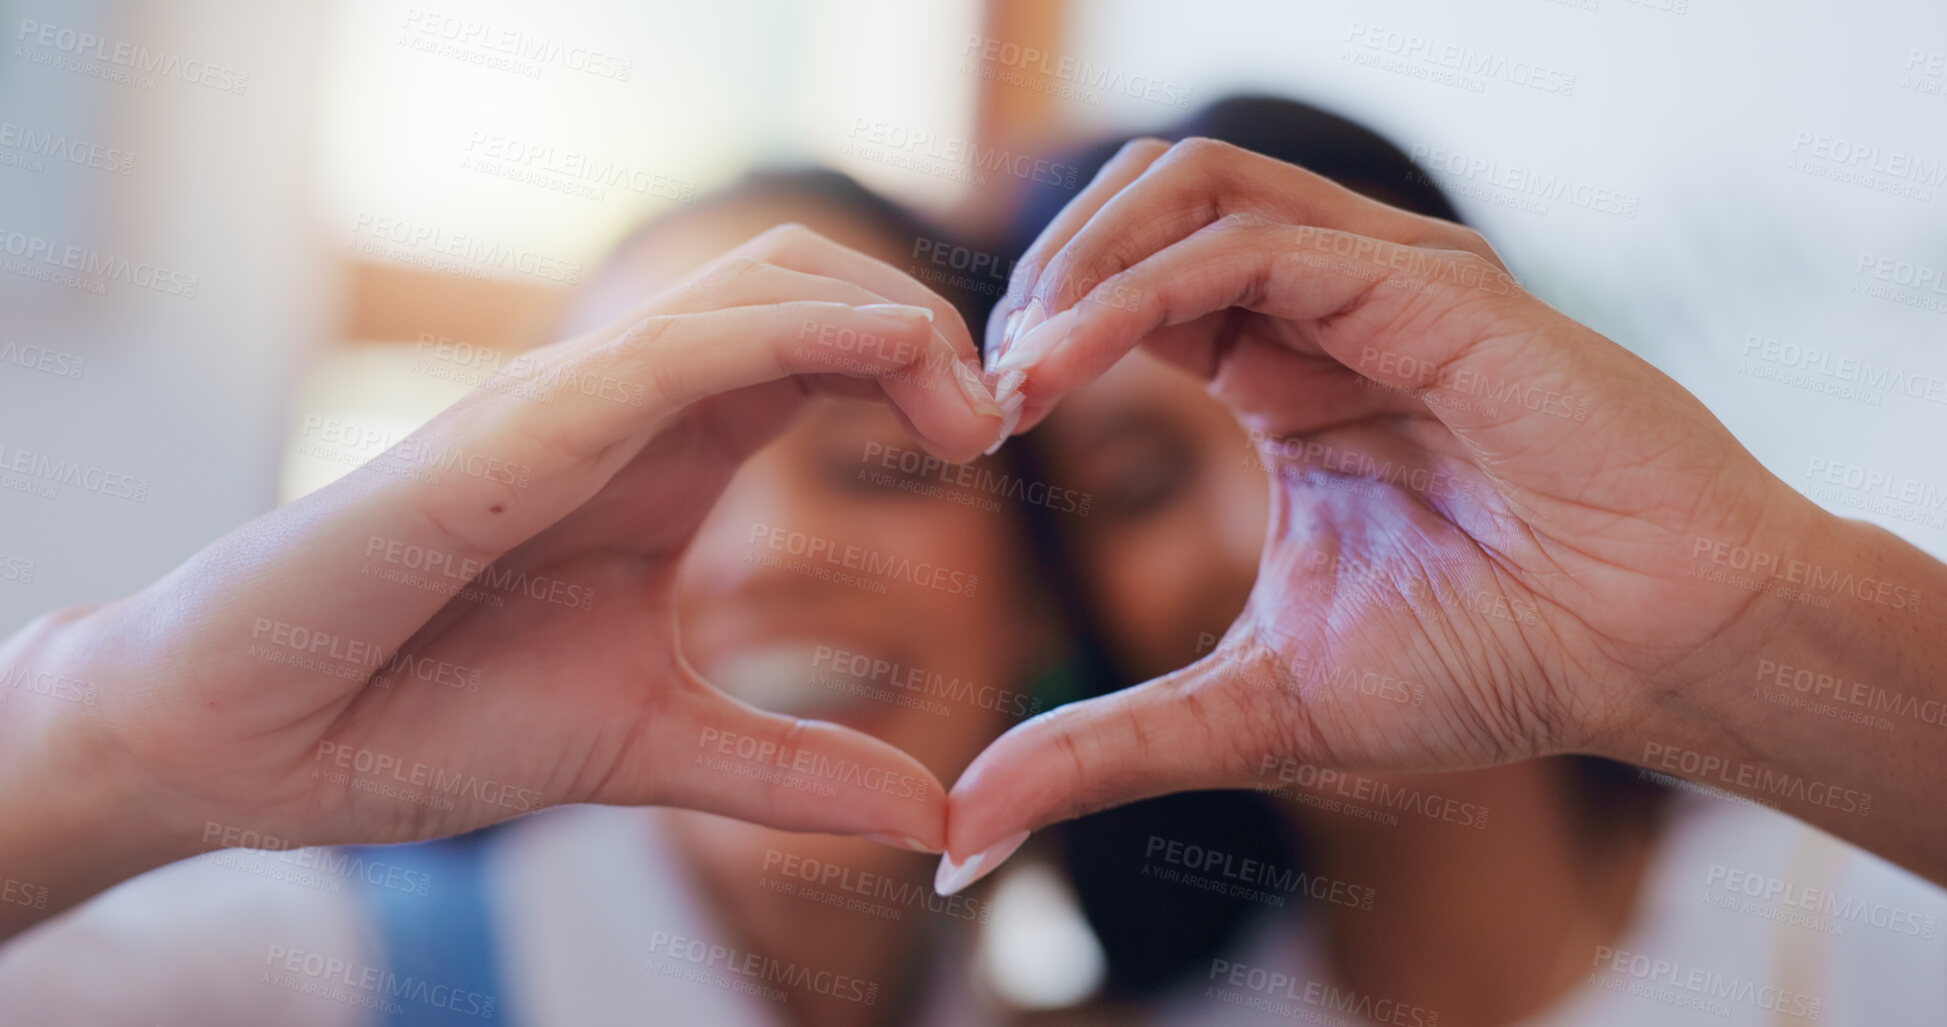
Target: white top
580	894
1748	919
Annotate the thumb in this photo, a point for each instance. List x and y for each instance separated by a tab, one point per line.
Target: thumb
1206	726
713	753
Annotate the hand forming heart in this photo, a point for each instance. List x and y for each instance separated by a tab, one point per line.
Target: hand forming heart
290	659
1532	547
1522	551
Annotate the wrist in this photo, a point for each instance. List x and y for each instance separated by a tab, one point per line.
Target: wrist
1864	658
1695	693
81	816
1839	653
1822	701
1799	586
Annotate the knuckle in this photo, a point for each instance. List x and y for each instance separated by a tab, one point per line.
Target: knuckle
1479	266
1489	264
1142	148
1241	221
741	266
639	350
1058	281
1200	151
794	735
666	383
1471	240
1020	286
781	239
737	267
1201	178
1069	283
1461	239
643	338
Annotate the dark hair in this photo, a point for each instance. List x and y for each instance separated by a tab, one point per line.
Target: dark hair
1157	933
837	193
1337	148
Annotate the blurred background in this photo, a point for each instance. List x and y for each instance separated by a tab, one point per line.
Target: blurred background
245	247
228	221
234	235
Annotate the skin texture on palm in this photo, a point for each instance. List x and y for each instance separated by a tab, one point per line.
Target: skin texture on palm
1471	493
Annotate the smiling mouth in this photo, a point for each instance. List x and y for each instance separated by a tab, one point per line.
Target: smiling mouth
792	677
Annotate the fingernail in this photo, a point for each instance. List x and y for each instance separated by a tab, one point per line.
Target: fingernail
996	334
1028	350
1031	318
1008	394
1010	420
900	841
999	349
952	876
1008	384
983	402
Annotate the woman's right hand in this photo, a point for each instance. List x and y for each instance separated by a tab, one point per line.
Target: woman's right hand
479	622
1494	534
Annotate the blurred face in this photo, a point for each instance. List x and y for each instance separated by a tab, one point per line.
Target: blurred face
840	577
1169	549
1171	546
773	612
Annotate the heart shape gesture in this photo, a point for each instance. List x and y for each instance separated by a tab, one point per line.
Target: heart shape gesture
480	622
1493	535
1492	532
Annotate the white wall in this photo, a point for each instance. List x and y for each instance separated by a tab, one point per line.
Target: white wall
1697	113
254	191
183	392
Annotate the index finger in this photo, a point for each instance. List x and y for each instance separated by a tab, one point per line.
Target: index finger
500	466
1132	160
798	248
1173	196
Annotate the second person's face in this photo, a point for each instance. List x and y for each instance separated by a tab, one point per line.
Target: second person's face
843	575
1179	504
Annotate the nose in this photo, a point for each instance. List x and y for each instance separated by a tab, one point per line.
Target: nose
766	534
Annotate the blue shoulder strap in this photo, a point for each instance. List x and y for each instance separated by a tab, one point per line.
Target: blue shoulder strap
430	904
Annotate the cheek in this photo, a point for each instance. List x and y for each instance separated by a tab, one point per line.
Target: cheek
1164	583
978	597
1140	579
983	639
1240	509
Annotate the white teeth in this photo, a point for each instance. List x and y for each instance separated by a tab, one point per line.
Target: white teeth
774	677
786	677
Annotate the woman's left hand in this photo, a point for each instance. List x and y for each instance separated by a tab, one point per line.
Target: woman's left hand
479	622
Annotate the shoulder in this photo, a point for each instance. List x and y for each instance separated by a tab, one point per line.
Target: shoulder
1820	929
227	937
